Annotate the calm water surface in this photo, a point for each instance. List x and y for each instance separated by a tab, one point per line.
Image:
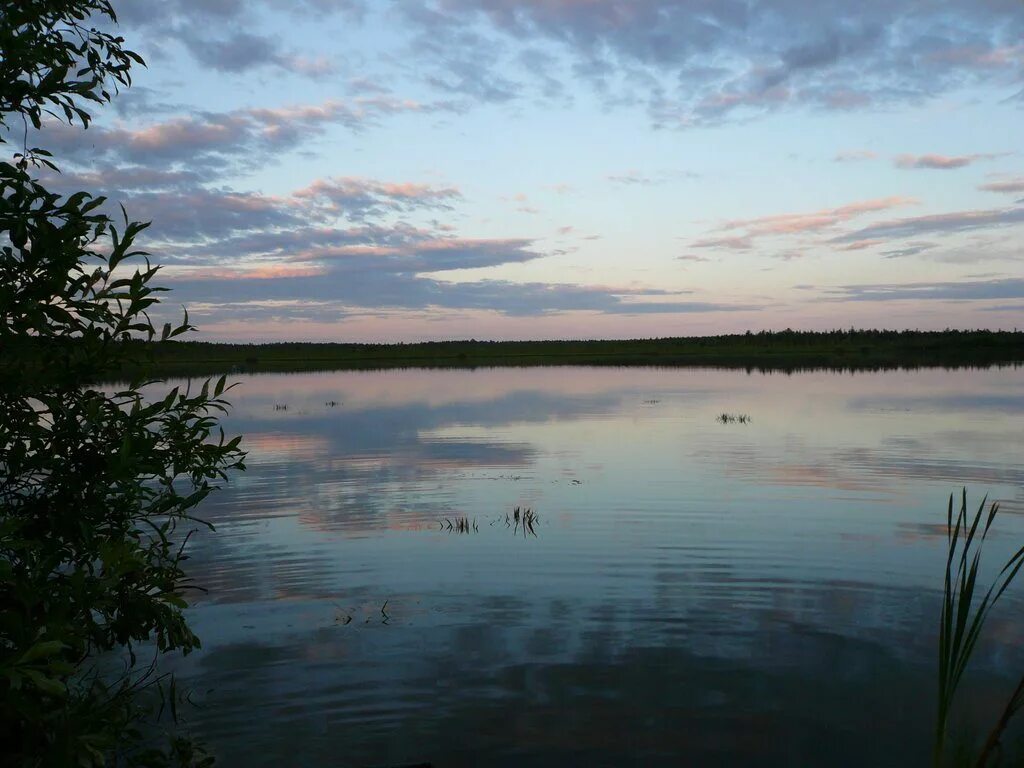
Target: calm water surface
696	592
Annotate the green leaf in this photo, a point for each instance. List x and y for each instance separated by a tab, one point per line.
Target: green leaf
41	651
48	685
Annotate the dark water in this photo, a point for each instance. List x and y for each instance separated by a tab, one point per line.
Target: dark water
695	592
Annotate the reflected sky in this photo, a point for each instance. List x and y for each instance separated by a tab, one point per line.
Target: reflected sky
737	594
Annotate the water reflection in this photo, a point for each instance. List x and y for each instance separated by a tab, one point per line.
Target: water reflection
696	592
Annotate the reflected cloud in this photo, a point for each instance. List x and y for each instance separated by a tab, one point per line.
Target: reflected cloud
712	587
687	684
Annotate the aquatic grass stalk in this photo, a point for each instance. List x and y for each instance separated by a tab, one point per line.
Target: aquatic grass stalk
961	621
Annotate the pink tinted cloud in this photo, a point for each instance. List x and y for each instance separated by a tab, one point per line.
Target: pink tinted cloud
738	243
982	56
935	224
263	272
312	66
333	110
813	221
341	251
940	162
358	199
1012	186
854	155
182	131
860	245
347	187
241	135
740	234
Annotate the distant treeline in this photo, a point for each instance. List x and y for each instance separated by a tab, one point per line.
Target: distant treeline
769	350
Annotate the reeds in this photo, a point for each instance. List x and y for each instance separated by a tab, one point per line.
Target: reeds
459	525
525	519
344	618
733	418
961	621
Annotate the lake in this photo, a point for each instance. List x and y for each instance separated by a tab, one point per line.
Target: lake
691	592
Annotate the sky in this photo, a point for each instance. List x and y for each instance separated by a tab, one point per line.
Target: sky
364	170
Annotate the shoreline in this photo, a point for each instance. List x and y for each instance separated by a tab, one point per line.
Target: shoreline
784	351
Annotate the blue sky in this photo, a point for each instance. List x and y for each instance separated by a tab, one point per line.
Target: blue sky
381	171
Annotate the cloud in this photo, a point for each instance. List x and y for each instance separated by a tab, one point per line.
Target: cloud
743	234
790	255
244	51
236	53
456	59
120	180
737	243
381	290
358	199
974	250
523	203
191	218
338	245
381	270
425	255
854	155
194	24
182	209
942	223
295	241
910	249
976	290
708	61
311	66
632	177
831	227
694	63
860	245
244	136
740	234
1012	186
940	162
366	85
815	221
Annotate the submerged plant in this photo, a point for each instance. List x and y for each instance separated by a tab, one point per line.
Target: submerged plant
961	620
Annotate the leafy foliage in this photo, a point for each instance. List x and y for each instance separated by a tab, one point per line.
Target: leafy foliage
95	484
53	61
